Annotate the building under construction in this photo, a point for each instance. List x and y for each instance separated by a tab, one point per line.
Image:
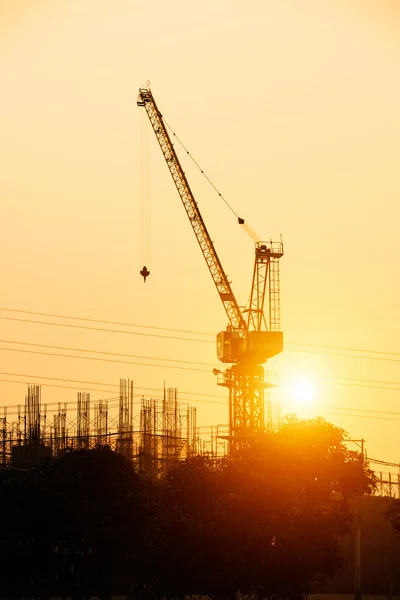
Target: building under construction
153	433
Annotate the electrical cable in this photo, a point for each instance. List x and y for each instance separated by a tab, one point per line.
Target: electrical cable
363	416
374	381
108	360
319	352
106	384
341	348
102	329
352	382
388	385
379	412
123	324
192	362
344	348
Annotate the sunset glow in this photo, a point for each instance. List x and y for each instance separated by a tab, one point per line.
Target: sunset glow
302	391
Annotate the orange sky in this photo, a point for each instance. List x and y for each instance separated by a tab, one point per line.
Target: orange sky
291	107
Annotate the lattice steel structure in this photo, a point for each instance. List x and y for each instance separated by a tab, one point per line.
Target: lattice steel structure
167	433
246	343
166	430
83	420
220	279
125	444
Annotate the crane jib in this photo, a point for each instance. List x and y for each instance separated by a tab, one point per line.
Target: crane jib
236	319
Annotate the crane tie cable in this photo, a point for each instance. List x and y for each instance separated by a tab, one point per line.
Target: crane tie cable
203	173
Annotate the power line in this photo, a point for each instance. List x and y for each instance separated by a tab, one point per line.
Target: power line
363	416
63	386
319	352
366	385
141	388
383	462
37	322
346	349
329	347
105	384
59	379
108	360
42	314
69	387
363	410
189	362
395	383
170	337
352	382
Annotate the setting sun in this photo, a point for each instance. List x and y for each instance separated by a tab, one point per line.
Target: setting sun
302	391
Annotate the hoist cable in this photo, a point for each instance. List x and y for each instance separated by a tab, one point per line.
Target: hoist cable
144	194
147	195
141	191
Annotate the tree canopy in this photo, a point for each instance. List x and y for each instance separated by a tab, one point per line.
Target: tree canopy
264	521
73	526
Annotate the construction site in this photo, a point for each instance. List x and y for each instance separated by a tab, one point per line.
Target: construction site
157	433
154	434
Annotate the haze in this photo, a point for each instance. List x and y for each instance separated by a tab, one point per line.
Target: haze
292	108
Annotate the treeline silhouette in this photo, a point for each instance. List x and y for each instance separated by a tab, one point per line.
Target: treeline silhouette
265	522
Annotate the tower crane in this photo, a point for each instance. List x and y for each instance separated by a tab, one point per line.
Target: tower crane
248	341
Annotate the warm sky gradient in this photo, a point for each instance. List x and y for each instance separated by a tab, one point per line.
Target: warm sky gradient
291	107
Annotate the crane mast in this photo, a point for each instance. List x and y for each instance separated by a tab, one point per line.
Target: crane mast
247	343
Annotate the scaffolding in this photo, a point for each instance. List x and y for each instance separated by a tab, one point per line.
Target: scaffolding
125	440
388	484
155	437
83	420
60	430
167	433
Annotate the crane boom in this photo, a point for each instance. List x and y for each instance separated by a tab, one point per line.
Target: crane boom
236	319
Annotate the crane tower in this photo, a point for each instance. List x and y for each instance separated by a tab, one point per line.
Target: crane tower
253	335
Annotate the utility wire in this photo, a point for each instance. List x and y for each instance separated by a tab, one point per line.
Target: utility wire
102	329
66	387
106	384
124	324
344	348
353	382
50	346
395	383
322	353
158	390
36	322
383	462
108	360
363	416
362	410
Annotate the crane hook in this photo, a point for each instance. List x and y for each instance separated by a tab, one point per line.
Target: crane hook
144	273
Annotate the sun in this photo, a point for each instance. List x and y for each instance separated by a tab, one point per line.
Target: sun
302	391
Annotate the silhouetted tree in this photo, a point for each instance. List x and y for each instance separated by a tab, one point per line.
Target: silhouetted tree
393	515
265	522
77	526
